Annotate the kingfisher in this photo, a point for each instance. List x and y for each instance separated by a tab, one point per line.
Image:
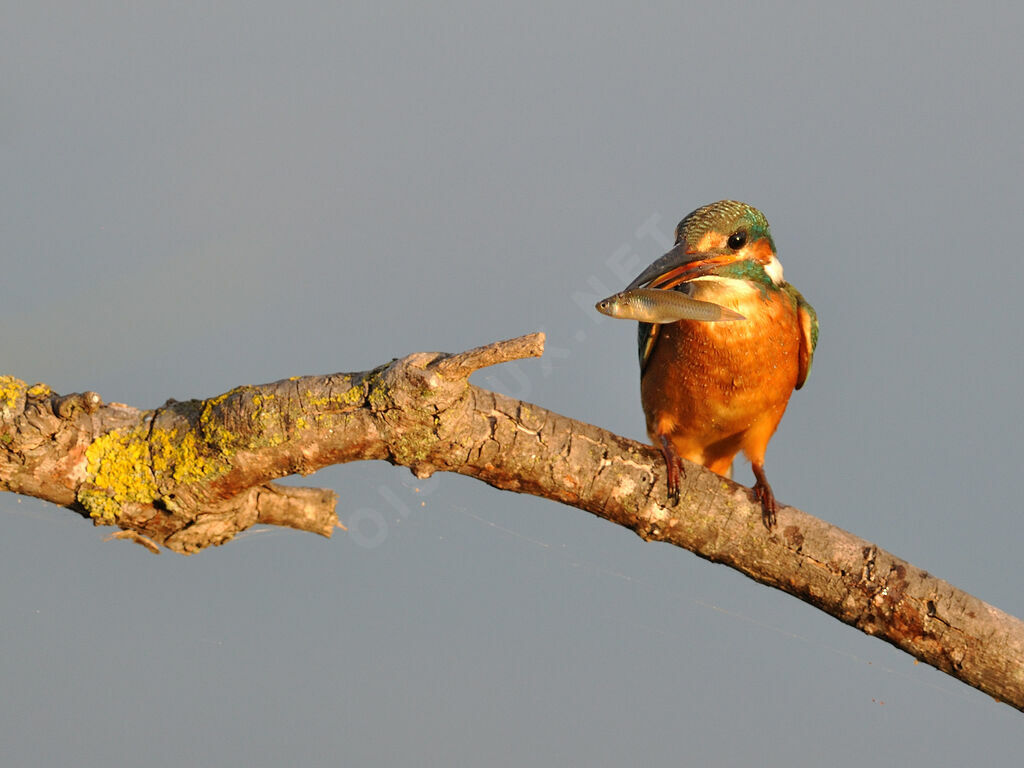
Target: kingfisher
712	389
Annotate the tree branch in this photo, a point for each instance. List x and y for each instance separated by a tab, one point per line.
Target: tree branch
192	474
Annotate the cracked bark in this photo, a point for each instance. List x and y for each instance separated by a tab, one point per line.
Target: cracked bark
188	475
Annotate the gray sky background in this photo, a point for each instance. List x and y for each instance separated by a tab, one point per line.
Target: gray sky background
197	196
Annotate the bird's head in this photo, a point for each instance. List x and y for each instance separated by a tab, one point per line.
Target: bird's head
711	239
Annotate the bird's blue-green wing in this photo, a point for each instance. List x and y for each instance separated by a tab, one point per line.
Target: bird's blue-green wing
808	320
646	335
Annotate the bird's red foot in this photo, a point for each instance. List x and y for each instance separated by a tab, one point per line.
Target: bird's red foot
673	466
764	494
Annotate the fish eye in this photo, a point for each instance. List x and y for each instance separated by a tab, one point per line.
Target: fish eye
737	240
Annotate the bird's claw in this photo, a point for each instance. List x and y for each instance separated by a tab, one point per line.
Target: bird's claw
768	505
764	494
673	467
673	492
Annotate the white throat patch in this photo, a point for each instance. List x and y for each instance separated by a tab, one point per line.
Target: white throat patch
774	270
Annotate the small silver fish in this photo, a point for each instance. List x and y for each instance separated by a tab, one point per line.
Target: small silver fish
653	305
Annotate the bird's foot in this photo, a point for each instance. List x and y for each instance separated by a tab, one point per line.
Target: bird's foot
768	504
673	466
764	494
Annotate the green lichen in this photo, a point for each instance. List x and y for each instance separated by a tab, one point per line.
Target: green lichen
409	445
130	466
413	446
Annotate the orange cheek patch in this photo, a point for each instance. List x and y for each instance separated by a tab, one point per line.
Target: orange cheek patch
711	241
761	251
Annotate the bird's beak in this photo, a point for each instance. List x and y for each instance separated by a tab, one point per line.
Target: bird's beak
679	265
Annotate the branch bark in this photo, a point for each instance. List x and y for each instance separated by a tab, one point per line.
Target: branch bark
192	474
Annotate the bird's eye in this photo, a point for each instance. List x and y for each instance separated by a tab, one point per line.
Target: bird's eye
737	240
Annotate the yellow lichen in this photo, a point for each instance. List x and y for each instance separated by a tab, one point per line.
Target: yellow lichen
129	466
349	398
180	457
39	390
191	466
11	390
119	470
352	395
213	428
265	418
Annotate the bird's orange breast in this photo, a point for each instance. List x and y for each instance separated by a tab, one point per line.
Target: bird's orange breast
717	388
